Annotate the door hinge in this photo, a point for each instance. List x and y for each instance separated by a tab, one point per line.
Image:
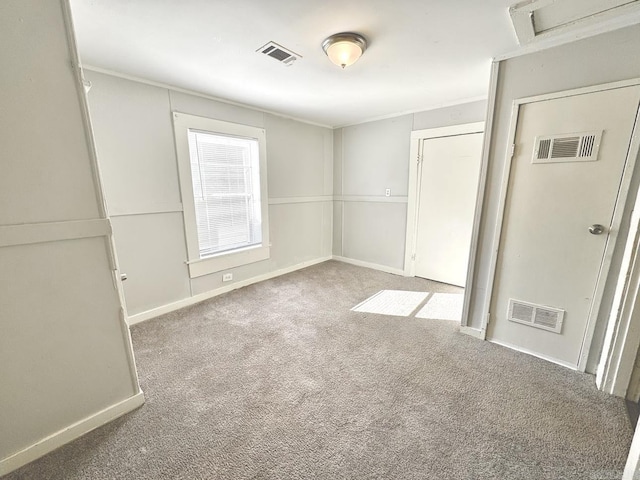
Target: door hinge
488	318
512	150
413	257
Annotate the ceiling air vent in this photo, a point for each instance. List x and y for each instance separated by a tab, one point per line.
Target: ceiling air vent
571	147
539	316
280	53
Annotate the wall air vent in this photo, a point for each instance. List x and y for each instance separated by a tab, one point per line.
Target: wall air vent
572	147
539	316
283	55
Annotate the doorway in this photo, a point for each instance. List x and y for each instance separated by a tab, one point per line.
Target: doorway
562	211
443	182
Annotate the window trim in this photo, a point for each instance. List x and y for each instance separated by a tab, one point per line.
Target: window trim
198	267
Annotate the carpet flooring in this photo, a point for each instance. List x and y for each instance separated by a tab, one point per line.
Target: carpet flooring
280	380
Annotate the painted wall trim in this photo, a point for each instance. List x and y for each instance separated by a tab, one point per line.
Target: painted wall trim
290	200
370	198
31	233
473	332
76	64
174	88
374	266
172	307
534	354
482	185
178	208
70	433
622	337
118	211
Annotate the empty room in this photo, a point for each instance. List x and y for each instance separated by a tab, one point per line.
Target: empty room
295	240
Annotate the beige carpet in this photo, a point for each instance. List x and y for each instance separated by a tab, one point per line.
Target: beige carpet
281	380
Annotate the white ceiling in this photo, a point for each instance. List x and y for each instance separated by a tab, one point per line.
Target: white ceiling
422	53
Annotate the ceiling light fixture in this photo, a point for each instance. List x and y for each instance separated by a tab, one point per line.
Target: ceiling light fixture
344	49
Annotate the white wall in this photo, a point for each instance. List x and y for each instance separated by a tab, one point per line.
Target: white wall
135	143
597	60
369	158
66	363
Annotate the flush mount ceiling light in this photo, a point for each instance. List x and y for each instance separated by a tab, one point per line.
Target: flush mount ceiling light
344	49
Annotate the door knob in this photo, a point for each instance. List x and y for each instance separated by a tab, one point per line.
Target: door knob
596	229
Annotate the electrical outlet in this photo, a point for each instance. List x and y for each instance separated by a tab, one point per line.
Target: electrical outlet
387	192
227	277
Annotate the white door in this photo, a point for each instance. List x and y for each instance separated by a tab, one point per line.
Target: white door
448	183
552	251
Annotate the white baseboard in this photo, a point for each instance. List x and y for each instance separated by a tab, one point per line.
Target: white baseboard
172	307
535	354
69	433
473	332
374	266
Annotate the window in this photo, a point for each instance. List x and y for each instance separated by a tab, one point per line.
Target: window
223	181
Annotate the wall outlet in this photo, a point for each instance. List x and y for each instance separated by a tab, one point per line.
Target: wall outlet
387	192
227	277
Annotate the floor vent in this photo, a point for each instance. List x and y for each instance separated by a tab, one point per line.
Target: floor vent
539	316
283	55
575	147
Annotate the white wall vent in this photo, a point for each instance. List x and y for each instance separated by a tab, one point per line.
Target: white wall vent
539	316
571	147
280	53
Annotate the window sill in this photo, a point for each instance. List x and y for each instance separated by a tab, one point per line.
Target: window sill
218	263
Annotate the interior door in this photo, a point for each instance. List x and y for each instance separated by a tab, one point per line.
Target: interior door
448	183
570	155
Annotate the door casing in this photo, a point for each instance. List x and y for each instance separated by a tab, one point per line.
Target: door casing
417	139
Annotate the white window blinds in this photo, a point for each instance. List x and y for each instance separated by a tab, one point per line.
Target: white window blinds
226	189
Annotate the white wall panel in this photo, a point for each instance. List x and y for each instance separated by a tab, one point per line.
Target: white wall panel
151	251
37	184
376	156
375	232
300	158
61	341
134	139
338	207
65	352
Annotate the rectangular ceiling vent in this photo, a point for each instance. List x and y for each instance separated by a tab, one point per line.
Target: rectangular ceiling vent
539	316
283	55
572	147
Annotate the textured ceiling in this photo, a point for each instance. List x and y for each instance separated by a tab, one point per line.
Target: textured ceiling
422	53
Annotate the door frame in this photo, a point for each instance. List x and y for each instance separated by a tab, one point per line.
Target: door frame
619	208
415	170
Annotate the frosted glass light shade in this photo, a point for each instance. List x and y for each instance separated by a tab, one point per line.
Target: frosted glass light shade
344	49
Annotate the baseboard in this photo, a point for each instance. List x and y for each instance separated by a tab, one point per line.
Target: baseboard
473	332
535	354
172	307
69	433
374	266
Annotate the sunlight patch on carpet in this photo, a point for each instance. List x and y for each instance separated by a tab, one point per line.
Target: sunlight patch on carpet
392	302
443	306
